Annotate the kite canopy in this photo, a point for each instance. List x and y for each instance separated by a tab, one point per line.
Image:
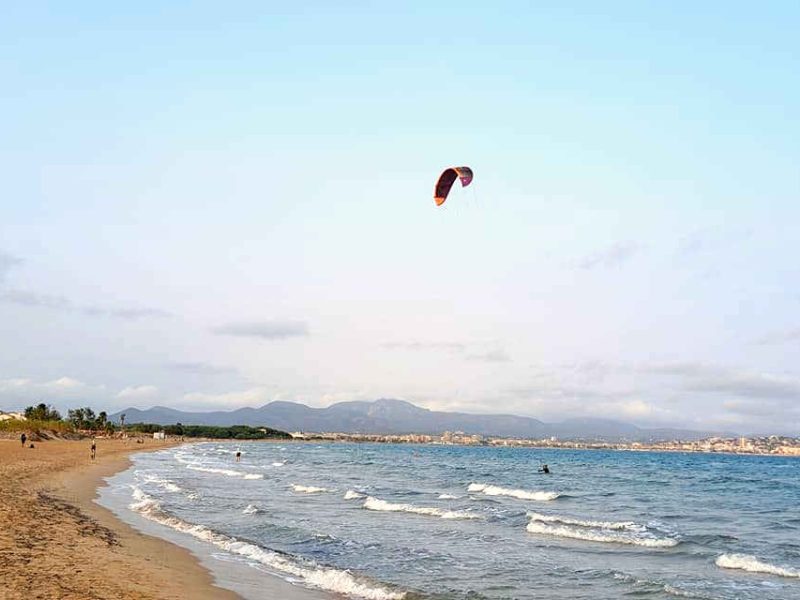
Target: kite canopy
447	179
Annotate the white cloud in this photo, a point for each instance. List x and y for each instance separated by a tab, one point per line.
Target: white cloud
7	261
416	345
637	409
17	383
55	302
254	397
265	330
492	356
780	337
140	392
20	391
64	383
612	256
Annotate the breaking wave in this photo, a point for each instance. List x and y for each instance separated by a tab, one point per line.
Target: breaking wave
381	505
311	574
645	586
351	495
278	464
748	562
616	525
251	509
226	472
447	497
166	484
309	489
597	531
493	490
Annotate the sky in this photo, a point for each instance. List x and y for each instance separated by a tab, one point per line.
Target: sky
208	206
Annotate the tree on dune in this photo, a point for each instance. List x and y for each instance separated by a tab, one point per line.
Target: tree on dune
42	412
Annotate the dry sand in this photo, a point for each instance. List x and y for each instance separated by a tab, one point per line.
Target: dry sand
55	542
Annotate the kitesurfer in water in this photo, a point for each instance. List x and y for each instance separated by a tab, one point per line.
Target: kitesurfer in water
544	469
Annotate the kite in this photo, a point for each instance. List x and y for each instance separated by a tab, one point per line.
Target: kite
447	179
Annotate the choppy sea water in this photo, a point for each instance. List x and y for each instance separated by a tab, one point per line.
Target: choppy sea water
381	521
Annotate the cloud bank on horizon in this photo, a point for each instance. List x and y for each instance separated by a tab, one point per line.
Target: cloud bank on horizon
212	227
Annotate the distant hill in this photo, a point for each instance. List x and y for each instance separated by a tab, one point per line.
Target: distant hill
398	416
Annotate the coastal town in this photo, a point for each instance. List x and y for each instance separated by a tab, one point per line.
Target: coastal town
758	445
771	445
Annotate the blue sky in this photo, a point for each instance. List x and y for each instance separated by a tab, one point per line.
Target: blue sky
212	206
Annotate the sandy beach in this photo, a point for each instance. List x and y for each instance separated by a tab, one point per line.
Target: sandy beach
57	543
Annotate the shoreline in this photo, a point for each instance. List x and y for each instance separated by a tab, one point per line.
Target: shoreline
61	543
241	577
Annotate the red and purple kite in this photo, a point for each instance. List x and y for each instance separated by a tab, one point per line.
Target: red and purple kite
447	179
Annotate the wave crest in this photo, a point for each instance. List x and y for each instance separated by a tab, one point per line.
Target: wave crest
381	505
166	484
748	562
616	525
596	531
226	472
352	495
309	489
493	490
325	578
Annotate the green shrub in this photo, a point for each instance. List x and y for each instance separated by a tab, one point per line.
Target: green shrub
234	432
14	425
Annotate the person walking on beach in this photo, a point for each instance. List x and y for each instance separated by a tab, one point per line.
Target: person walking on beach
23	438
94	449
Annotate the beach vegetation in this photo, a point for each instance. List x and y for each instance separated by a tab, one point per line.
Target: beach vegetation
85	419
236	432
42	412
30	426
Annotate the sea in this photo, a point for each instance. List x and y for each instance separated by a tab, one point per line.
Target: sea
387	522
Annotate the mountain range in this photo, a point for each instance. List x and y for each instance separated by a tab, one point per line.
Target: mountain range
387	416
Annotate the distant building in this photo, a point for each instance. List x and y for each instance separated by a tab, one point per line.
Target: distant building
159	435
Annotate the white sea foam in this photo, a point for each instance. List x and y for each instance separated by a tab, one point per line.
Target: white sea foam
143	502
493	490
166	484
351	495
226	472
668	589
618	525
447	497
747	562
251	509
278	464
598	534
381	505
673	591
309	489
333	580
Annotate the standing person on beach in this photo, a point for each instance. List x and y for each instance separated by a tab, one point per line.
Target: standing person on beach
94	449
23	438
238	455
